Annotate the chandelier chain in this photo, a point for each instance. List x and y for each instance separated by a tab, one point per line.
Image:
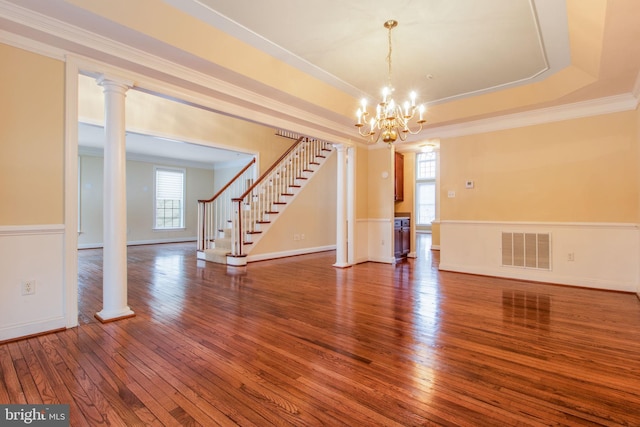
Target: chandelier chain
389	55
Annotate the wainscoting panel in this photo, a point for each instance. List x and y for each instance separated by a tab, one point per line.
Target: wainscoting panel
31	253
374	240
595	255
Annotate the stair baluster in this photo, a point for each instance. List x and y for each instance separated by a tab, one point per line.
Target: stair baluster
262	199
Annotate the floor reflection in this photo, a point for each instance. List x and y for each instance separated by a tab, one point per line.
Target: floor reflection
168	283
527	309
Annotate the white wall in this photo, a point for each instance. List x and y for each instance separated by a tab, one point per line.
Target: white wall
140	194
33	253
605	255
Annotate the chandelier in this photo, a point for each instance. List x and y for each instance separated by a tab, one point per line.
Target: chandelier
391	120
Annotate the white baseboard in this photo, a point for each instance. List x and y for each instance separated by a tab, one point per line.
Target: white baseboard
294	252
385	260
543	277
32	328
140	242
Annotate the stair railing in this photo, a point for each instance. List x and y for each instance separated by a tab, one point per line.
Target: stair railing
262	199
215	214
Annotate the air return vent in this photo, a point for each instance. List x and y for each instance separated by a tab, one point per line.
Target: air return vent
526	250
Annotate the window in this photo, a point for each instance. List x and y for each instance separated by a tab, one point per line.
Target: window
425	189
169	200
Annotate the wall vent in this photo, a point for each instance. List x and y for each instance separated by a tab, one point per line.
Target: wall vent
526	250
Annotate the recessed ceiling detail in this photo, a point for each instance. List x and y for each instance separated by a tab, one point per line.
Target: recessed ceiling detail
445	49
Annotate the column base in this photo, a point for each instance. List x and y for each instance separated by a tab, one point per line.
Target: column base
341	265
112	317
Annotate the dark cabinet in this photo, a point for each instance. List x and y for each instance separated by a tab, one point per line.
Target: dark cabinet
401	237
398	178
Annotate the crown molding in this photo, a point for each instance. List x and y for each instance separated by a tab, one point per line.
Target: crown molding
595	107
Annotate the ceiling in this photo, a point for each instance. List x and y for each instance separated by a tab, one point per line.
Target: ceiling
468	60
442	49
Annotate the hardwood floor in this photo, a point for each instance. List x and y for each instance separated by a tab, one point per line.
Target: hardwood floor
297	342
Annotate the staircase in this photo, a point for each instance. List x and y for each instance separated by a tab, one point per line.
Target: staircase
234	220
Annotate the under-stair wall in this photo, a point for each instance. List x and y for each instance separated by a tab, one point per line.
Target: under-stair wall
308	224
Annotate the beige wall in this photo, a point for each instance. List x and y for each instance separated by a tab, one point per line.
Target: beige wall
380	186
31	138
361	182
311	217
140	194
638	163
582	170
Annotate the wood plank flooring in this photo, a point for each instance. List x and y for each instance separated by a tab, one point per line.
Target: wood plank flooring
296	342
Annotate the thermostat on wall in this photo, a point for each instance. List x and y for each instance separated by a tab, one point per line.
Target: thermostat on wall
468	184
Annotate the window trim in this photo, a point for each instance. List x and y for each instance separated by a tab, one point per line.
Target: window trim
433	180
183	171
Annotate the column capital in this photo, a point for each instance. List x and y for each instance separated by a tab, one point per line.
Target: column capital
114	81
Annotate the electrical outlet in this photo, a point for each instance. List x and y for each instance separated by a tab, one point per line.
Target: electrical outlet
571	256
29	287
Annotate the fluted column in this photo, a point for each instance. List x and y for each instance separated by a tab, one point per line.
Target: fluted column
341	207
114	281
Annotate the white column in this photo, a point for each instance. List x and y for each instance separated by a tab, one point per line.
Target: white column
341	207
114	281
351	205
